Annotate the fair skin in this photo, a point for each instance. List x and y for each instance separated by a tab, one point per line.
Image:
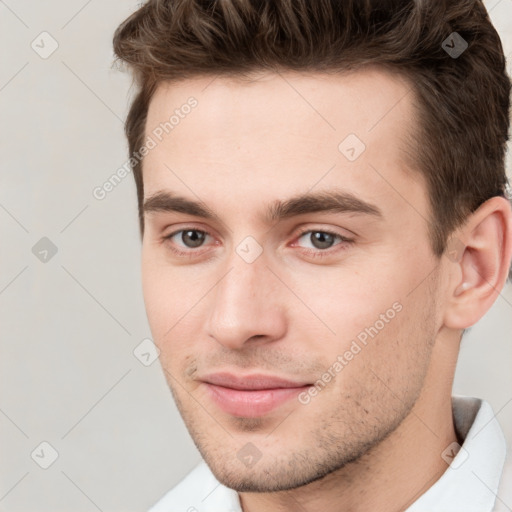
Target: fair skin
372	438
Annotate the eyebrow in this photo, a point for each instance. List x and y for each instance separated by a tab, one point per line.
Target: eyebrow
330	201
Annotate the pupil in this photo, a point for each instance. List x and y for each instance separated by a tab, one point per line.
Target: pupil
321	240
192	238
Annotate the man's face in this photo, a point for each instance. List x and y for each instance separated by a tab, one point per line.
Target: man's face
294	338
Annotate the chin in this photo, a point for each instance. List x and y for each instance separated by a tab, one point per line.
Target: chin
274	476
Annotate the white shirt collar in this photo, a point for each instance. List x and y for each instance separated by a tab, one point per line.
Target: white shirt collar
470	483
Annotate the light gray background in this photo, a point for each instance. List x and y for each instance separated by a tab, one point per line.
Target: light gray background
69	326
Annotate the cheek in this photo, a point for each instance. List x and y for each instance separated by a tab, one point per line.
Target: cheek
374	325
347	308
157	298
381	375
171	297
163	300
168	291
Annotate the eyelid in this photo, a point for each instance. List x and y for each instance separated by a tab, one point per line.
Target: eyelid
312	253
322	253
302	231
175	232
328	231
189	226
184	251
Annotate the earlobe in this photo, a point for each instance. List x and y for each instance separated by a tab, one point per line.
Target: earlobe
483	265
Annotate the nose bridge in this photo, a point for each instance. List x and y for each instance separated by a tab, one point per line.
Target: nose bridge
245	303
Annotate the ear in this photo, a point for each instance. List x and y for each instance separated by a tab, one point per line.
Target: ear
480	254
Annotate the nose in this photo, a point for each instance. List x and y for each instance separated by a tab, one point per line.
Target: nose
247	306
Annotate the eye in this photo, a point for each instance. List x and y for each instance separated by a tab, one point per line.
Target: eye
320	240
188	238
187	242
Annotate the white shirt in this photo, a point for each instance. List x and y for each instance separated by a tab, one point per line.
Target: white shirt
477	480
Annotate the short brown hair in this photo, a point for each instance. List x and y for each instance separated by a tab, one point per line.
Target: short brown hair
463	102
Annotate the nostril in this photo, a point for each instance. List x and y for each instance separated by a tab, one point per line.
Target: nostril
256	336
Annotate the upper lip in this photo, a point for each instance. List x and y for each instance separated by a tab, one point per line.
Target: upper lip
250	382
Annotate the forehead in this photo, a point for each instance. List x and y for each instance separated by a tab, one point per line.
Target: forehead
281	133
330	103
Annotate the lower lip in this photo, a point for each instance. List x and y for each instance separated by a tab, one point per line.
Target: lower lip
251	404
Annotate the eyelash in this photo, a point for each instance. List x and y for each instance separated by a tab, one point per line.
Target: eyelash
322	253
315	253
